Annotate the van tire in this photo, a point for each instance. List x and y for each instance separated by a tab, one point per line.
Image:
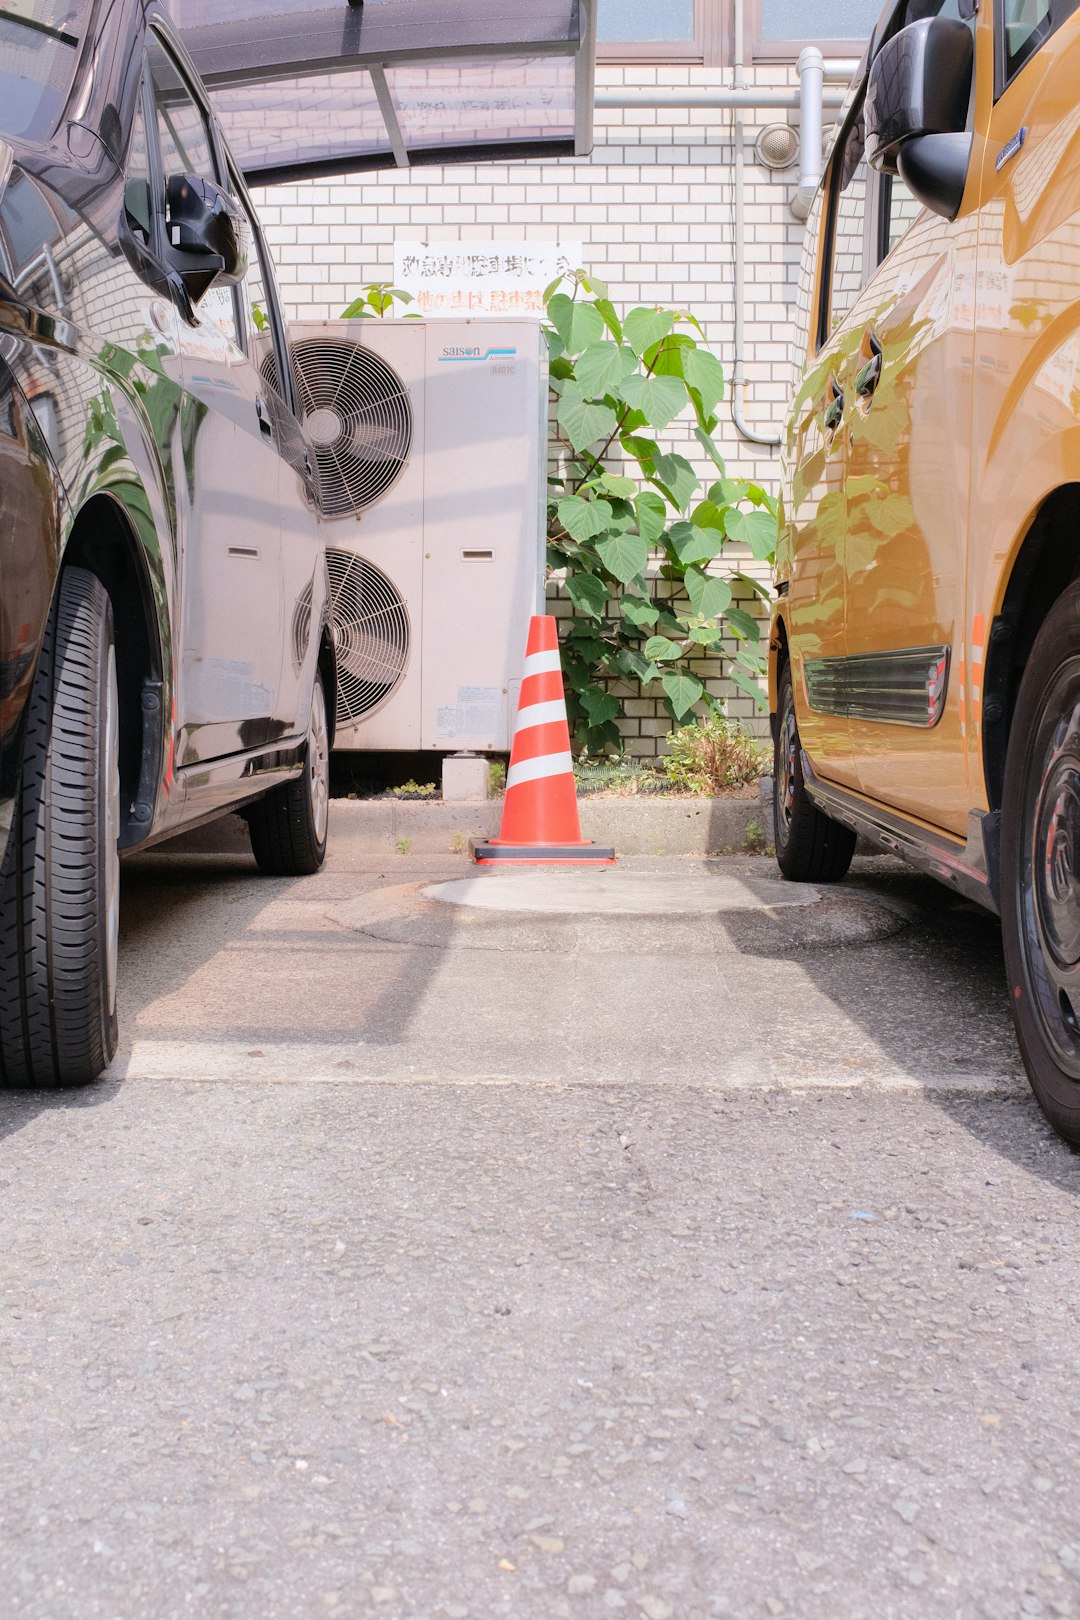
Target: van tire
60	880
810	846
1040	866
288	825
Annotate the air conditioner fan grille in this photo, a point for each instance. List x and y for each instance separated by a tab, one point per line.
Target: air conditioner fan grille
356	410
370	626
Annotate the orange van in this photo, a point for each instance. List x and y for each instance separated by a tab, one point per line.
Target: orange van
925	646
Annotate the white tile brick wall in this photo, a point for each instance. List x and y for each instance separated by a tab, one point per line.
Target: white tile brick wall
653	206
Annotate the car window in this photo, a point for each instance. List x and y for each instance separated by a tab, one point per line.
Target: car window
137	186
186	147
1024	25
252	298
39	51
846	265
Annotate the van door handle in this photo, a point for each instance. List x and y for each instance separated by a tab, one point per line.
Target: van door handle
834	410
264	421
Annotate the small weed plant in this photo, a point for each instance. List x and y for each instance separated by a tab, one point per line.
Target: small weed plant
414	790
713	756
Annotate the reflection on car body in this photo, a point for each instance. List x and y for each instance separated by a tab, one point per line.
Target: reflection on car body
162	575
925	650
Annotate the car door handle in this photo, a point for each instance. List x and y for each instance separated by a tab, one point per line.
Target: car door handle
869	373
834	410
265	425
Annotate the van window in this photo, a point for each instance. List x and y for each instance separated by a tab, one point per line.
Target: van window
1024	25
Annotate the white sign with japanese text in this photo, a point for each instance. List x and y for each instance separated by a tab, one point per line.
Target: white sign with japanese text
481	278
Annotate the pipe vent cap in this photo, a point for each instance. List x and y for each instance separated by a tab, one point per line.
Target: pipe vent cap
777	147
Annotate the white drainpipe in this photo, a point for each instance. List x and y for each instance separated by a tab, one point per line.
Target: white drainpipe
811	95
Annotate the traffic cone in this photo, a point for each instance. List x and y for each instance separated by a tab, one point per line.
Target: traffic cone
540	815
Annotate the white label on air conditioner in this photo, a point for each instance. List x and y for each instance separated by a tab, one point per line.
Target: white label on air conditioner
477	713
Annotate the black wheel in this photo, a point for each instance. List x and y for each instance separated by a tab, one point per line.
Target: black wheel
810	846
60	883
1040	866
288	825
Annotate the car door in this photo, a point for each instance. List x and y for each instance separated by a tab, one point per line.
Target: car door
228	502
907	385
302	550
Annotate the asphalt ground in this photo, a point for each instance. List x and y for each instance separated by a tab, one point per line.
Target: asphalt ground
423	1259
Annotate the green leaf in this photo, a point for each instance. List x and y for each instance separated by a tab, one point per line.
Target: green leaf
623	555
693	545
600	705
610	319
588	594
747	684
582	421
593	285
754	529
660	650
638	612
644	327
578	324
651	515
583	519
640	449
677	477
761	497
601	367
707	515
683	691
704	372
665	359
708	596
632	663
744	624
708	445
706	635
660	398
551	289
613	484
764	591
555	344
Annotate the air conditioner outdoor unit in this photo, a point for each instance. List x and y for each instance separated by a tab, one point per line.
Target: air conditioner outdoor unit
430	442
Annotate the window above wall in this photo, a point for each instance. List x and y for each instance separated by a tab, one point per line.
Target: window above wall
780	28
654	30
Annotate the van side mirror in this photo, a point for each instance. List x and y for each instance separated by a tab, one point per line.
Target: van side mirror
207	234
916	110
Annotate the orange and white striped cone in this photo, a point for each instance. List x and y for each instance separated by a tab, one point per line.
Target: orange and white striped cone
540	815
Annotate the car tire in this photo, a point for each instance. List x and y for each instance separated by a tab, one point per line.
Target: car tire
810	846
60	881
1040	866
288	825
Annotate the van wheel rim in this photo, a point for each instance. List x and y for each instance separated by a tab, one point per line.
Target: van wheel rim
788	755
1050	882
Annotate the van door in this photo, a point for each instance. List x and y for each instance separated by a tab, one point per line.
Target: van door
814	514
908	386
908	398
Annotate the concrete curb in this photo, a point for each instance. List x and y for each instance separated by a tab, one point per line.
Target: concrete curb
646	826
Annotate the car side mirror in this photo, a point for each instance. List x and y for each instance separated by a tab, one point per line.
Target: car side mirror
916	110
207	234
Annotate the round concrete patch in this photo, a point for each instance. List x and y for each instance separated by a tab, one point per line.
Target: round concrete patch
648	908
555	892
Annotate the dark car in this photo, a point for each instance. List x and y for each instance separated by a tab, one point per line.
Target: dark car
164	651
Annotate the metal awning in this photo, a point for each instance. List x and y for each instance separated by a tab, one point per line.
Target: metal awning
306	88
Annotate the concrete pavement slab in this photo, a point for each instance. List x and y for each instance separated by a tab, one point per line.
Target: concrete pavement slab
505	1353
